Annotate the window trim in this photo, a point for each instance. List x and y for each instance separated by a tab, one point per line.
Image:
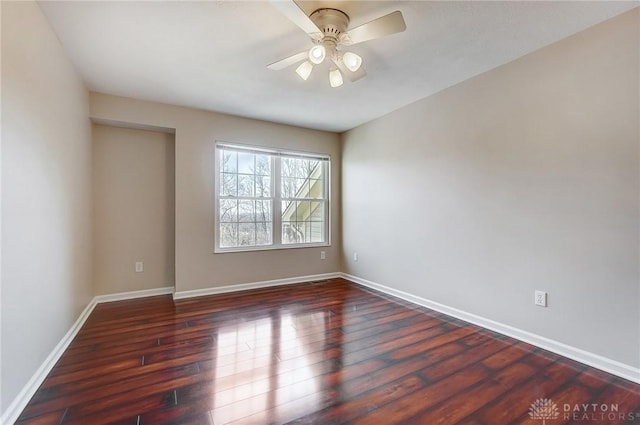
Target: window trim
276	198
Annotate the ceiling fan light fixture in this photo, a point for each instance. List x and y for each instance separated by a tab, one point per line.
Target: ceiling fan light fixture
304	70
352	61
329	31
335	77
317	54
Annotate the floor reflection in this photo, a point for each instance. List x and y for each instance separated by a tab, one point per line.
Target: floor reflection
270	368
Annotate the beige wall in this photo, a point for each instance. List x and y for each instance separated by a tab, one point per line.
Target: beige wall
46	195
133	209
523	178
196	131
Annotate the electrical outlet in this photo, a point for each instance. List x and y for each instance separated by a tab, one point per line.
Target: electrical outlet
355	256
540	298
323	255
139	266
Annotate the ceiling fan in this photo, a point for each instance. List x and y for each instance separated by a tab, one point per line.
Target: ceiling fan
328	29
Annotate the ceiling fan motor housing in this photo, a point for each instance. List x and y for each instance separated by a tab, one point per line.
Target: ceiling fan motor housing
332	22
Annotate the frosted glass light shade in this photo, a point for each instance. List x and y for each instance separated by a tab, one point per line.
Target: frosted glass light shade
317	54
352	61
304	70
335	77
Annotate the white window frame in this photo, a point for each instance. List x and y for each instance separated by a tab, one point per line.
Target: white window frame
276	174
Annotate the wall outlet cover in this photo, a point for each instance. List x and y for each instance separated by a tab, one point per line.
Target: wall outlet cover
540	298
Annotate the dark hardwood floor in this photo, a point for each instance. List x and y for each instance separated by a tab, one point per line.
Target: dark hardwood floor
325	352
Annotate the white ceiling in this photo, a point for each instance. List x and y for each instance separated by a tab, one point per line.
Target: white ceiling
213	54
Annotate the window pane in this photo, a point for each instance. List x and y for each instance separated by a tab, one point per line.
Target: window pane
302	168
302	186
302	231
228	210
229	162
246	163
295	187
263	211
316	188
288	211
317	211
291	233
263	233
245	211
288	187
302	178
229	184
263	186
288	167
263	165
317	231
312	168
245	186
228	235
303	210
246	234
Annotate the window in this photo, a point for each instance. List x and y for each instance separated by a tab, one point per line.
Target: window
270	199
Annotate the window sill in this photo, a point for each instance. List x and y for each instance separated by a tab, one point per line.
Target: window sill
269	248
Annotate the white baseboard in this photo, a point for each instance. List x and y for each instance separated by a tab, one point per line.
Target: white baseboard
22	399
120	296
178	295
20	402
599	362
608	365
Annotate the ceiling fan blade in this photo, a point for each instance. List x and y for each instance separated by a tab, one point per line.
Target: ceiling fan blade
385	25
292	11
352	76
283	63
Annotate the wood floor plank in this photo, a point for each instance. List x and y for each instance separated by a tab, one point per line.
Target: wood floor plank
359	406
326	352
466	403
430	396
515	405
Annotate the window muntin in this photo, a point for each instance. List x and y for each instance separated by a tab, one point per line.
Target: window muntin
270	199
